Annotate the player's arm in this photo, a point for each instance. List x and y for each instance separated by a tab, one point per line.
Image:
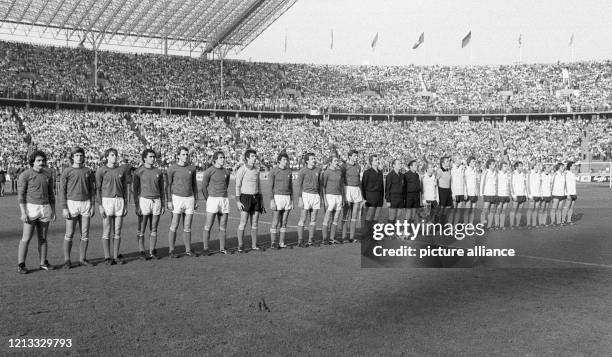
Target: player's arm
64	194
162	188
300	187
170	174
136	189
91	185
194	185
239	177
99	181
343	191
51	190
362	187
271	176
22	192
387	188
205	181
124	184
483	181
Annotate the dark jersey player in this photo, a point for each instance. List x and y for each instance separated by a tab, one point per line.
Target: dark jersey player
148	189
78	200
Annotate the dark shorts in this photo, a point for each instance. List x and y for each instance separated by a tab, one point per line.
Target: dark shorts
432	204
460	198
396	201
413	200
537	198
490	199
374	199
503	199
446	199
473	199
547	199
521	199
574	197
560	198
252	203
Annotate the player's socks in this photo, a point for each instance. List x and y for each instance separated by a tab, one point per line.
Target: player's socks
171	240
240	236
300	233
273	235
83	250
332	233
67	249
324	231
311	232
253	237
187	240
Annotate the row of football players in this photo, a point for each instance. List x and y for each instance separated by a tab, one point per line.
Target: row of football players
340	190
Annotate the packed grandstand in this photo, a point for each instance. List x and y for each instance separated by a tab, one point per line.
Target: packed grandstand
62	73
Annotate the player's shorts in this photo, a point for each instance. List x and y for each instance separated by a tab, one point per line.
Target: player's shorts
38	212
490	199
252	203
446	199
283	202
311	200
413	200
396	201
546	198
150	206
573	197
374	199
217	205
113	206
503	199
560	198
184	205
334	202
521	199
432	204
472	199
536	198
353	194
79	208
460	198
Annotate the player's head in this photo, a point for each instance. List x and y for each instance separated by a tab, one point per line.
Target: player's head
77	155
412	165
570	166
518	166
504	166
397	164
310	159
111	156
471	161
444	160
148	156
218	158
490	164
559	167
250	156
283	160
334	161
373	161
38	159
182	155
352	156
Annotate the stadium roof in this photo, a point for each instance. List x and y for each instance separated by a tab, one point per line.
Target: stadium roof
198	25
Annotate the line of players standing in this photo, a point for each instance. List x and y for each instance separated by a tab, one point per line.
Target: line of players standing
340	190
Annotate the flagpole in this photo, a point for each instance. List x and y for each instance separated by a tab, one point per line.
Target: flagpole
520	54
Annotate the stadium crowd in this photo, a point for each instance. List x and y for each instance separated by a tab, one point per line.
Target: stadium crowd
56	131
153	79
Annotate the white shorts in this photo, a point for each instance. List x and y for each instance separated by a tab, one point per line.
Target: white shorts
113	206
38	212
353	194
79	208
283	202
217	205
150	206
311	200
184	205
334	202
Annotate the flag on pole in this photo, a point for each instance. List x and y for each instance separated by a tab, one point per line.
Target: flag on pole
419	41
374	42
571	41
466	39
520	40
285	41
331	46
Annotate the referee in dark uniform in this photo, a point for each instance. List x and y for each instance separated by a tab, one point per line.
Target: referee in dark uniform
412	190
373	191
